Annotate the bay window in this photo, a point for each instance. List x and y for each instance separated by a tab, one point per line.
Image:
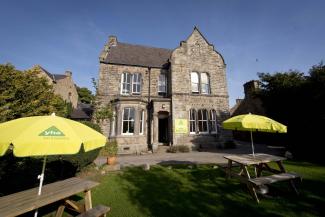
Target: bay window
128	121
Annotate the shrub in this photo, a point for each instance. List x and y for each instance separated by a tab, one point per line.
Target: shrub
92	125
172	149
110	149
230	144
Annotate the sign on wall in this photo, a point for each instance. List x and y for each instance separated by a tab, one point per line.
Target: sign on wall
181	126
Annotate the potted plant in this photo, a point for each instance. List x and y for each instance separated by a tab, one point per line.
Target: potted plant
110	151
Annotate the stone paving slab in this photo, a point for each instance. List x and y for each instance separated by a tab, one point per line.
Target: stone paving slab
207	157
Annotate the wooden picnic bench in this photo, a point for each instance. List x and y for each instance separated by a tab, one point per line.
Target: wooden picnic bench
61	191
260	162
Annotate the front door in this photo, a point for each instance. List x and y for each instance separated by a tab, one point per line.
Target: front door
163	130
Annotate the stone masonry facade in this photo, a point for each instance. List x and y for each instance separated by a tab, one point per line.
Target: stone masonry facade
183	95
63	85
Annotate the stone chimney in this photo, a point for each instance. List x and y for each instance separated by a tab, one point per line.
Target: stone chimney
68	73
112	41
250	87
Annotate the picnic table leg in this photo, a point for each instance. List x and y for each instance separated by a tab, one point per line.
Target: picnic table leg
229	169
292	184
250	187
60	210
88	203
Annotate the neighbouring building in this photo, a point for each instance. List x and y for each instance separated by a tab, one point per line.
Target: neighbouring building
162	96
63	85
251	103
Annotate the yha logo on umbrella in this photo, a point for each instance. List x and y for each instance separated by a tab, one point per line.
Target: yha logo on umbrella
52	131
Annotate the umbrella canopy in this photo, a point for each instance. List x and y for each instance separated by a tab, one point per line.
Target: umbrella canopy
250	122
47	135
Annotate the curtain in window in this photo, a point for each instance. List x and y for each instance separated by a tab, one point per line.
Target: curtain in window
128	121
195	82
203	120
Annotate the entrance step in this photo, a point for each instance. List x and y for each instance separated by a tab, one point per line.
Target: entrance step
162	149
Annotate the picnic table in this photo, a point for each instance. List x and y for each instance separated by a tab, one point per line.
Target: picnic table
260	162
28	200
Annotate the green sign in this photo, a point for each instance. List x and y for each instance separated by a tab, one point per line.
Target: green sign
52	131
181	126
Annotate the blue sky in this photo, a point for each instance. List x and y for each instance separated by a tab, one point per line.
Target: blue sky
253	36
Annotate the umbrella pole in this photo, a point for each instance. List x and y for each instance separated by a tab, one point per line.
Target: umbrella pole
253	151
41	179
252	144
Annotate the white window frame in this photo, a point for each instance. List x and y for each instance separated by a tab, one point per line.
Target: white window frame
113	124
137	83
141	122
124	80
197	84
192	120
204	85
201	121
213	120
162	83
128	120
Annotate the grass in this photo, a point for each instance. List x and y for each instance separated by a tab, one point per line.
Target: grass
204	191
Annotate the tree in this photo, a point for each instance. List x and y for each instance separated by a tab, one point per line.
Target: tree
85	95
24	94
298	101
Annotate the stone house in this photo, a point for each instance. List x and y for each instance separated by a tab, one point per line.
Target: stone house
63	85
163	97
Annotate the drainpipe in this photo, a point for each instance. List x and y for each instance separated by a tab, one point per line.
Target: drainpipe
149	111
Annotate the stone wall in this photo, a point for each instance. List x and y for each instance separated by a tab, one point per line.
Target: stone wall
67	90
197	55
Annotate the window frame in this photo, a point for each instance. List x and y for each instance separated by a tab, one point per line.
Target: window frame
202	85
124	80
202	121
137	83
193	121
160	84
197	84
213	121
141	122
128	120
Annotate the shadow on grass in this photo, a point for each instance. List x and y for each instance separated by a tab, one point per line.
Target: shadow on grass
190	190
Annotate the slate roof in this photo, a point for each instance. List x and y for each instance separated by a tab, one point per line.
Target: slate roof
138	55
58	77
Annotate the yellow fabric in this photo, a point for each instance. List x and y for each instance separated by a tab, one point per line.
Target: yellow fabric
250	122
47	135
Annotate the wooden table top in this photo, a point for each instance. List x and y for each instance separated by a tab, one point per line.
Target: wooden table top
28	200
249	159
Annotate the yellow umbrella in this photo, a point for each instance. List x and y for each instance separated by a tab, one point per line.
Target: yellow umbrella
47	135
250	122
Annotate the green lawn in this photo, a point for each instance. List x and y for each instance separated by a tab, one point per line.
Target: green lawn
203	191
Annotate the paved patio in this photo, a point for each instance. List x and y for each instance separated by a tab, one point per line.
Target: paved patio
212	156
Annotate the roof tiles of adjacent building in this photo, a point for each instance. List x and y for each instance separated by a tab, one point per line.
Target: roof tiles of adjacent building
138	55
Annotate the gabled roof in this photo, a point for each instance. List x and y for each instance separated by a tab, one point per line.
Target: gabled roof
46	72
138	55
